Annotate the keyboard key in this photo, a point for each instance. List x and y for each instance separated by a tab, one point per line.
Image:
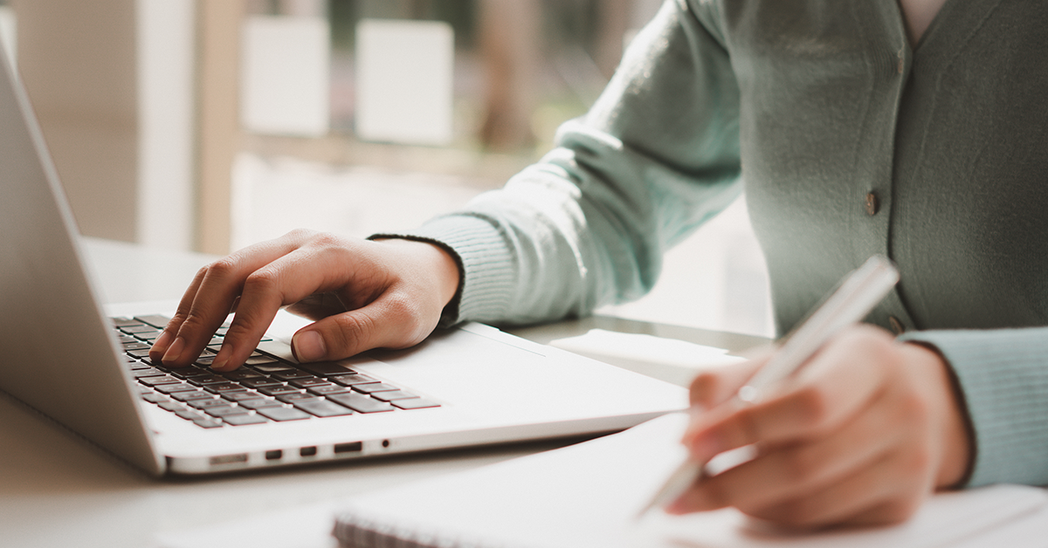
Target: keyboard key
329	389
156	320
135	329
283	413
360	403
147	372
374	387
158	380
415	403
204	404
325	369
224	388
208	378
273	368
242	420
194	395
393	395
260	360
280	390
153	397
261	382
207	422
322	408
351	379
122	321
224	410
306	383
259	403
240	396
291	374
177	387
171	406
204	360
189	415
241	375
298	396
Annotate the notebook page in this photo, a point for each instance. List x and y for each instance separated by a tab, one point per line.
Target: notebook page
588	495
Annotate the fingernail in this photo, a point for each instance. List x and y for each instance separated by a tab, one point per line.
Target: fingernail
688	503
222	359
175	351
676	507
308	346
705	447
161	343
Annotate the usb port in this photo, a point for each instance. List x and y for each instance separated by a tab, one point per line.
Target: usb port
308	451
352	447
239	458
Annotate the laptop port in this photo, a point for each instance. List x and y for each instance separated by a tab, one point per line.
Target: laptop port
308	451
275	454
353	447
240	458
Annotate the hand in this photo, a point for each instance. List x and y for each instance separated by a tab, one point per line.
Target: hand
363	294
861	435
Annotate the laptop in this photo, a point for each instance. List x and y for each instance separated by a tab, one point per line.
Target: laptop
84	366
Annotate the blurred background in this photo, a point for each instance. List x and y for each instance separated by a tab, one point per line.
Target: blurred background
205	126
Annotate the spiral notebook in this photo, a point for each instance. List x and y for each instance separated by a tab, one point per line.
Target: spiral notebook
588	495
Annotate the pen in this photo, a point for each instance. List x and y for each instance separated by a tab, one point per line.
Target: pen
856	296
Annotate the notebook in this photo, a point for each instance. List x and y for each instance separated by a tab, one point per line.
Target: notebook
69	359
589	495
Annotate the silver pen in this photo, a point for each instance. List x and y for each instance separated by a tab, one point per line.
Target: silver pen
856	296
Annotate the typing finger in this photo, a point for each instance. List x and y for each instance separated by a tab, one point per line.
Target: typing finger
286	280
212	295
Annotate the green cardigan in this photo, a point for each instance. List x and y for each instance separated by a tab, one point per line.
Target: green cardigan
848	143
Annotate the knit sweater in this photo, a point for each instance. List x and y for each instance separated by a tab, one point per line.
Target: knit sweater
847	142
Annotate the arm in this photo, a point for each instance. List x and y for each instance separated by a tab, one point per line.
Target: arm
656	156
1003	375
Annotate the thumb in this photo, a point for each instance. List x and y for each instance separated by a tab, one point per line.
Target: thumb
350	333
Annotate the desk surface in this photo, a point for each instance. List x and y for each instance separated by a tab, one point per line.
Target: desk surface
57	491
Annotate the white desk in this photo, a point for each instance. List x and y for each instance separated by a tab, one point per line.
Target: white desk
58	491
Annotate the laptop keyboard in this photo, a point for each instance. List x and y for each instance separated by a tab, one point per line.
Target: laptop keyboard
266	389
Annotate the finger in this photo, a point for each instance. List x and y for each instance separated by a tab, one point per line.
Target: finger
391	321
213	294
788	472
287	279
167	337
838	381
318	306
714	387
879	494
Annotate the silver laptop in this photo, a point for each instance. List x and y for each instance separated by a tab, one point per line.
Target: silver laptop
84	366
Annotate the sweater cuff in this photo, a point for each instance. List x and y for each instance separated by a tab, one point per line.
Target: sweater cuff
1003	376
487	268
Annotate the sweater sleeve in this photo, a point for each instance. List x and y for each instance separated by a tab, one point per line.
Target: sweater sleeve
1003	375
655	157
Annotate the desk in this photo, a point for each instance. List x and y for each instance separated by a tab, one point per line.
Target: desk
57	491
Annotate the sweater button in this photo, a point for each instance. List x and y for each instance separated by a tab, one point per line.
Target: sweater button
872	204
897	326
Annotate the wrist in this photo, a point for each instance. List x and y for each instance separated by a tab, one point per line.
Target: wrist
952	426
438	264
